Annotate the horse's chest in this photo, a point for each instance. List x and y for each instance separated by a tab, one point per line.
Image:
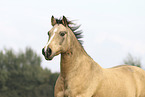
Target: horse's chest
70	89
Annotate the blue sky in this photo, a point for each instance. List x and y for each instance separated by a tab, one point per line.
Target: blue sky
111	28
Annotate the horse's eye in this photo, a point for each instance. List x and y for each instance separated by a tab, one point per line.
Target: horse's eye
62	33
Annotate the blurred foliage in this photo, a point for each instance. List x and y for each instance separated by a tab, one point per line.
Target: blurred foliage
22	76
130	60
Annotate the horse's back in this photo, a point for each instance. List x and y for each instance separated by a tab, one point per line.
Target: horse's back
123	81
139	76
134	76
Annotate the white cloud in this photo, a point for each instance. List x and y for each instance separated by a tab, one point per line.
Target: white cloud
127	45
25	23
101	37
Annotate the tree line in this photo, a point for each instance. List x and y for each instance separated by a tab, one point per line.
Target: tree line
21	74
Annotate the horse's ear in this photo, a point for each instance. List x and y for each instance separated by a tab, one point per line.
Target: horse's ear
64	21
53	21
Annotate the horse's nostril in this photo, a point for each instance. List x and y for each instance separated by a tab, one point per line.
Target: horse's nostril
49	51
43	52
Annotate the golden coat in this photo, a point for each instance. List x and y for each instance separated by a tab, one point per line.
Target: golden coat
81	76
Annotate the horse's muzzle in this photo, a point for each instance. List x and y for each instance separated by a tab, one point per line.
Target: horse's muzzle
47	53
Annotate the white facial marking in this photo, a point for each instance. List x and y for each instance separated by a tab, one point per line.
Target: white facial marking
54	31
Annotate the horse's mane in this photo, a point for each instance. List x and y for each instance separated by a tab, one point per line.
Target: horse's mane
74	28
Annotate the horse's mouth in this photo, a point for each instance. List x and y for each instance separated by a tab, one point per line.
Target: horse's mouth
48	57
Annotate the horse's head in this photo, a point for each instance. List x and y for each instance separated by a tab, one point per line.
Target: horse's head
59	38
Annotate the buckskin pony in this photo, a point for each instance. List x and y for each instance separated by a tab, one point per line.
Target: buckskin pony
80	75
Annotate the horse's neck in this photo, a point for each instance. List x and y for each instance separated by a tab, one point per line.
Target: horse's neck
74	59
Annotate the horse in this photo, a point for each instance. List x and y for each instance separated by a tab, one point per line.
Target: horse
80	75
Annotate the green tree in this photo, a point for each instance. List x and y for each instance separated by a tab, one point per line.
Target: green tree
52	81
130	60
21	75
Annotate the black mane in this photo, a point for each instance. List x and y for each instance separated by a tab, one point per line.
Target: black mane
74	28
